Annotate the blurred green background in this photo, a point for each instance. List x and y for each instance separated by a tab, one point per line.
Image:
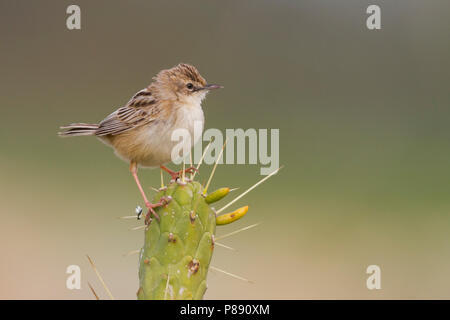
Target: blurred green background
364	138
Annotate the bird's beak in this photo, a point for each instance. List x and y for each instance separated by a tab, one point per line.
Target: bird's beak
212	86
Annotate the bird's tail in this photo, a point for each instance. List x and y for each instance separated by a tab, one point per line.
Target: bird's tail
78	129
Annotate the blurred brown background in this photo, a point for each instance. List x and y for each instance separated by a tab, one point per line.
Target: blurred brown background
363	118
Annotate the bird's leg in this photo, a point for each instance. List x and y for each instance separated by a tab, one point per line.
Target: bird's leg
176	174
148	204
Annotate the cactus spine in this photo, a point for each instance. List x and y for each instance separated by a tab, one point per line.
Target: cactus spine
178	248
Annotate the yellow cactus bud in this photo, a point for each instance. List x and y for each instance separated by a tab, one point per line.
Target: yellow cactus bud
217	195
232	216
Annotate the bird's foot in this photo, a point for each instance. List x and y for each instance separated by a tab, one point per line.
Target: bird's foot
176	174
151	211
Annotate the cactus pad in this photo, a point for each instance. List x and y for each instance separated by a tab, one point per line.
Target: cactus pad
175	258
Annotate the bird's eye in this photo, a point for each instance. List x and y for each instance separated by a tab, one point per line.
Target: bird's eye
190	86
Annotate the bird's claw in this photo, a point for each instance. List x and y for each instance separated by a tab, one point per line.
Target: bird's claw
176	174
162	202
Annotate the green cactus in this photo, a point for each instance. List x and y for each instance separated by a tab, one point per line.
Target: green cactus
178	247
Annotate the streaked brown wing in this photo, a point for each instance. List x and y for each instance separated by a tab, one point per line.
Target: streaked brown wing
141	109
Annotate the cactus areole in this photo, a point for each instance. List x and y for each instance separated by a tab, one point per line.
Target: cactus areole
175	258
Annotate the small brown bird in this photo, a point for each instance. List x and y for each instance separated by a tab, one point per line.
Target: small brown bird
140	132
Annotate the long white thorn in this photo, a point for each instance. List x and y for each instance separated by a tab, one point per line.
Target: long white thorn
224	246
93	291
137	228
132	252
167	287
128	217
214	168
248	190
230	274
100	278
237	231
183	173
201	159
190	162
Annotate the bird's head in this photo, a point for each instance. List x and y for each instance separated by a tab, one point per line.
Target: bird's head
184	83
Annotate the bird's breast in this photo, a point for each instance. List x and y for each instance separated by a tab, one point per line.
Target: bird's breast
191	118
154	143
